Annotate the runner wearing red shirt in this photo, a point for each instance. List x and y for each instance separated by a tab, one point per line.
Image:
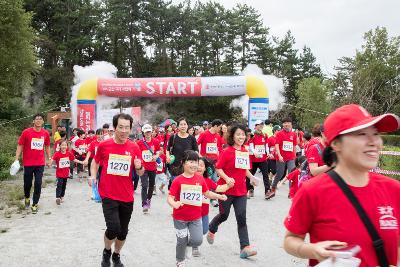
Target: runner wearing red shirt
90	137
63	136
286	141
80	152
32	143
185	197
259	145
224	135
322	210
210	142
150	152
272	158
294	176
62	159
117	158
92	149
72	141
232	167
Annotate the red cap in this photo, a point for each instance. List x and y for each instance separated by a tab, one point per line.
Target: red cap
351	118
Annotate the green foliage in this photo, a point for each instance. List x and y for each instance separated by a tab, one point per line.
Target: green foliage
371	78
389	162
8	145
391	140
17	59
312	94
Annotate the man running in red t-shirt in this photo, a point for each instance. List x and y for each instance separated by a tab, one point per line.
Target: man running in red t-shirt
116	157
33	142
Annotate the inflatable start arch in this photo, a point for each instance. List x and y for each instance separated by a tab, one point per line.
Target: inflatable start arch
253	86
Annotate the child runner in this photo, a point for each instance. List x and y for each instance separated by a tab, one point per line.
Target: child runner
62	159
92	149
205	169
232	167
80	152
294	176
161	176
185	197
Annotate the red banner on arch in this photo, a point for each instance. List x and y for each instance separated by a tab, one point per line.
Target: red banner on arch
150	87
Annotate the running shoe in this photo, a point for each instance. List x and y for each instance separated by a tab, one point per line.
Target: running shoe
210	238
116	260
247	252
27	203
34	209
270	194
105	262
58	201
196	252
180	264
145	207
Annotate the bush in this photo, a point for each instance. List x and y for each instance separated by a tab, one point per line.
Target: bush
391	140
8	145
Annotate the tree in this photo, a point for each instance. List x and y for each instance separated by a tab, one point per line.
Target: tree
313	103
17	58
372	77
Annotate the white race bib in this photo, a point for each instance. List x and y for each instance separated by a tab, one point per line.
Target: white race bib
242	160
119	164
37	143
211	148
160	166
287	146
191	194
260	149
63	163
147	156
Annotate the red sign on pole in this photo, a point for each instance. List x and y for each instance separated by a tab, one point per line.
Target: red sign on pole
86	116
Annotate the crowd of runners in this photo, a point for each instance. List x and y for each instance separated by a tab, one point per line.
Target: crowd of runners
215	164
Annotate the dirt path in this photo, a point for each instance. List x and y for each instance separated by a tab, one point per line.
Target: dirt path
71	234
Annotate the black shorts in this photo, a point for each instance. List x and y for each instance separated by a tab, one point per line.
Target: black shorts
272	166
117	215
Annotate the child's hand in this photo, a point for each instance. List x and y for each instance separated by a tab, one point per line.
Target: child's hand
177	204
223	197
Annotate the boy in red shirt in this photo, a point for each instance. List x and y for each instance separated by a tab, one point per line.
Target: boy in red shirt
293	177
33	143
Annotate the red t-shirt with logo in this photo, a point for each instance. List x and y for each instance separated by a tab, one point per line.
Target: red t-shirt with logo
293	177
314	156
271	144
147	156
93	148
63	163
321	209
313	141
57	145
210	144
89	140
117	164
206	201
81	145
287	144
260	143
34	143
230	161
189	191
161	165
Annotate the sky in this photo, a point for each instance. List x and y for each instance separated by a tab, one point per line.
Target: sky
331	28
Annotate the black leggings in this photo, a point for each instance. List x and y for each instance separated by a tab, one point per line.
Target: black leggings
263	166
61	186
239	205
29	171
148	180
117	215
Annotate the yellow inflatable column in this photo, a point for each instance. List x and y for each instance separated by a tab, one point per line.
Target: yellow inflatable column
86	105
258	108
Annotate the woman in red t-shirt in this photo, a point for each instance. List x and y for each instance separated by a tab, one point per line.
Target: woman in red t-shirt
320	207
232	167
62	159
185	197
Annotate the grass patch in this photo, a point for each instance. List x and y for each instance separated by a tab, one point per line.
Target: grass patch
389	162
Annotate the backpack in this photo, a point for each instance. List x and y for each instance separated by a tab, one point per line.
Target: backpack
305	173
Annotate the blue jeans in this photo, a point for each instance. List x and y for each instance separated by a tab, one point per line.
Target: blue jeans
204	221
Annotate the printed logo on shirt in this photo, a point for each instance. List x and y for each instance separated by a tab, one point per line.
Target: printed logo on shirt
387	221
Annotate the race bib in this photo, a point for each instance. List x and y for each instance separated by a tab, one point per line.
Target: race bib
191	194
160	166
119	165
260	149
287	146
206	200
63	163
242	160
147	156
82	149
211	148
37	143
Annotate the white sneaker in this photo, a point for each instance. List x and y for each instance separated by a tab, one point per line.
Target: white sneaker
180	264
